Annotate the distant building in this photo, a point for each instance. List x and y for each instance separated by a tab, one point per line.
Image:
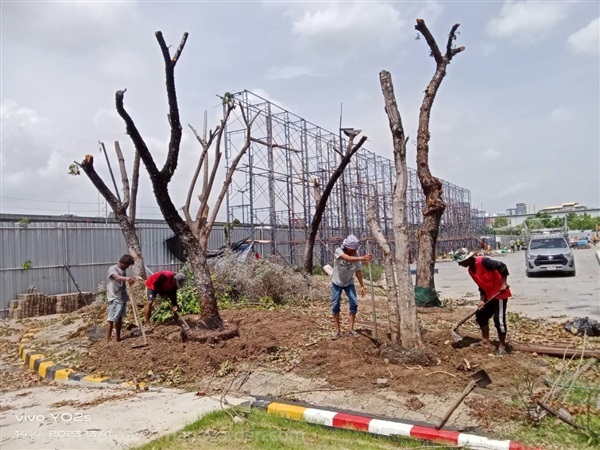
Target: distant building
521	208
565	207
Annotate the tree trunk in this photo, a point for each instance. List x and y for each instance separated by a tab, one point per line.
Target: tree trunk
390	273
209	310
410	334
432	186
426	255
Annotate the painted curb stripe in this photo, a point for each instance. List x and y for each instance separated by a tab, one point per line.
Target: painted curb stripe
33	358
62	374
431	434
290	411
342	420
42	370
37	362
385	427
49	370
319	417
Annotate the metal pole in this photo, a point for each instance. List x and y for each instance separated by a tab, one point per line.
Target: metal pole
375	334
110	170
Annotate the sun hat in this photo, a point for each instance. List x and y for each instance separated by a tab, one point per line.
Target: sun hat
351	242
179	279
462	255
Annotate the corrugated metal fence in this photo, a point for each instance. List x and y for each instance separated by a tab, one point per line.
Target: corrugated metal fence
35	254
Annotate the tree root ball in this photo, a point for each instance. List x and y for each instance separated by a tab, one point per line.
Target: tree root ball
398	355
206	336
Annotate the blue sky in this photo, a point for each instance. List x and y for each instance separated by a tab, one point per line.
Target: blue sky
517	118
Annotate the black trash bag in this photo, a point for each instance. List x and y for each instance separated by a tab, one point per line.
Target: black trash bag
583	326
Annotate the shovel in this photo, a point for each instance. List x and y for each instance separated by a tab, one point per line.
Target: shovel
186	328
481	379
139	324
454	331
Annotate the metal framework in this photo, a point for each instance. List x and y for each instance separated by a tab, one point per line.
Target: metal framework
277	183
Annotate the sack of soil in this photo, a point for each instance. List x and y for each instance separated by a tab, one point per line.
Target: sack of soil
583	326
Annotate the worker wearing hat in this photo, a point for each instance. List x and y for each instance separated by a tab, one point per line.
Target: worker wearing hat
346	264
166	284
490	276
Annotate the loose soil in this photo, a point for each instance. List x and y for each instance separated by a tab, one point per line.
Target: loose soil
298	340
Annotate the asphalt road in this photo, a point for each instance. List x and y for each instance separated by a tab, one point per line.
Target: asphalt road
554	297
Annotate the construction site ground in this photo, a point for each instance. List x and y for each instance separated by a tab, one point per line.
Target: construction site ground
287	353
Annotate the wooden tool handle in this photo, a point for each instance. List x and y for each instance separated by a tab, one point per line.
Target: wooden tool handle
471	314
456	404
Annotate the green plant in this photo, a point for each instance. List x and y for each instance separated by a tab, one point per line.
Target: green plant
187	299
225	368
26	265
376	271
24	222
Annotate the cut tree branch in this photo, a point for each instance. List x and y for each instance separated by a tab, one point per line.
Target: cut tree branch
435	50
135	179
228	177
87	165
211	181
176	130
136	137
124	179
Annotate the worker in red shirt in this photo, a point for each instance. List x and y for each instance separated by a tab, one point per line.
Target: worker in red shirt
490	276
166	284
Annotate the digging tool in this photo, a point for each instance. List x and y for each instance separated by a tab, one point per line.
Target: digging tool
481	379
186	328
454	331
79	293
141	327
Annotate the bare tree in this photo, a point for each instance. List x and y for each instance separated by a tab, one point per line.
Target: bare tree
432	186
125	209
193	234
351	150
402	310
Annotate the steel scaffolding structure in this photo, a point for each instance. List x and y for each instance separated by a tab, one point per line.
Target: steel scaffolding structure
277	184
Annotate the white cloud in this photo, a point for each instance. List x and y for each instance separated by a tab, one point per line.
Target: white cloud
587	40
69	27
561	114
527	21
490	155
519	187
329	36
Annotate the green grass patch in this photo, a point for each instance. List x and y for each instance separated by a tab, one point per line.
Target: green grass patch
552	434
263	431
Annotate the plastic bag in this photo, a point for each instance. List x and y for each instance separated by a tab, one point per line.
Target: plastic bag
427	297
583	326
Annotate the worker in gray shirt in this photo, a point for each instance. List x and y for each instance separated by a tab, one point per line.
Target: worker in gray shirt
116	291
346	264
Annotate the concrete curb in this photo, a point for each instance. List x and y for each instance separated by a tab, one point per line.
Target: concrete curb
46	368
381	426
598	256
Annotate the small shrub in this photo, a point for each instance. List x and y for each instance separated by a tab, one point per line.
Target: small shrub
376	271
